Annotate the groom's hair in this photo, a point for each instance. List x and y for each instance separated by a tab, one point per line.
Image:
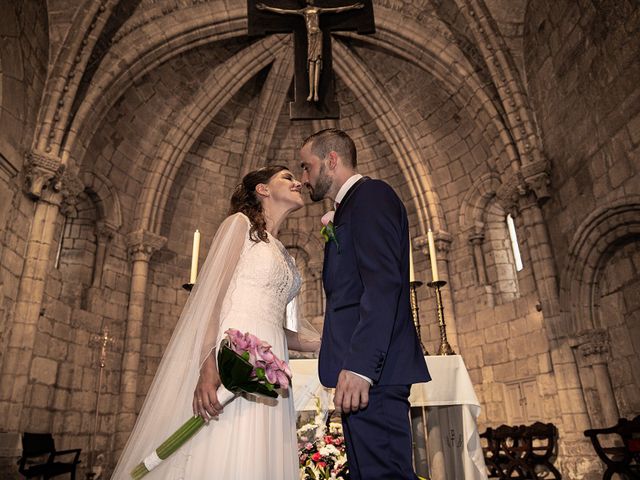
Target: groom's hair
333	140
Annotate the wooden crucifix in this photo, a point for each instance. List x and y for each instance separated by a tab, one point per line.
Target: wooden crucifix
312	26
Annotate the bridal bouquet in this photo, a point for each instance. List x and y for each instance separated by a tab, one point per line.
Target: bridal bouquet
245	364
321	450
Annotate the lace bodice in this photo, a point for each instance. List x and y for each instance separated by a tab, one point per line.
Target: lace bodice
265	281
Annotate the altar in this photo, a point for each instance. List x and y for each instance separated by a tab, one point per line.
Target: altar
444	417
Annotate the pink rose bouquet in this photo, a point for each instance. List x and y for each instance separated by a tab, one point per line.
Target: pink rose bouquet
246	364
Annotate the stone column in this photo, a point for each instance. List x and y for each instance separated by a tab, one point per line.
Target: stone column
593	349
443	246
539	245
485	290
104	234
314	270
54	188
476	239
142	244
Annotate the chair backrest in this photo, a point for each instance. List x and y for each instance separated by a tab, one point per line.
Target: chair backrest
34	444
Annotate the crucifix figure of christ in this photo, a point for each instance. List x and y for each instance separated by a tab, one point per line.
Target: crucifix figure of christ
313	65
311	15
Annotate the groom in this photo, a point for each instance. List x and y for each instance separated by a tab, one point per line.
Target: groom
370	351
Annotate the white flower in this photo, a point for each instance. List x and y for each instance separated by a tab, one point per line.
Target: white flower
328	450
307	428
327	217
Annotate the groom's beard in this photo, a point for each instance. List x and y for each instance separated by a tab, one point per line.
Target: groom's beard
322	186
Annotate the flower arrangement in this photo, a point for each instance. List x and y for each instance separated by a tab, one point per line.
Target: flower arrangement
246	364
321	450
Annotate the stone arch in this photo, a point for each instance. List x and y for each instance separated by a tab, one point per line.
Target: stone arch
442	59
232	75
203	24
78	247
395	131
302	245
105	196
157	39
482	221
305	242
518	113
65	73
475	201
151	208
592	244
22	71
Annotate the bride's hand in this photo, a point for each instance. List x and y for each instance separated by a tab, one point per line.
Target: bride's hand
205	398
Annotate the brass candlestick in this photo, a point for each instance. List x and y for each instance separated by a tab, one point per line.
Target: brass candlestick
414	311
103	340
445	348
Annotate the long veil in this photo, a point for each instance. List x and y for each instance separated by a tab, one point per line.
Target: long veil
169	399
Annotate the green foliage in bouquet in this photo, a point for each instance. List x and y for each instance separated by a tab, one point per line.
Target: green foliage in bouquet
235	372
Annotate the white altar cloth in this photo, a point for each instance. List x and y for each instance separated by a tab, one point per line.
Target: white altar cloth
453	408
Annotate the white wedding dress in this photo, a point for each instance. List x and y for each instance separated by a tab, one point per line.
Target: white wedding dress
254	438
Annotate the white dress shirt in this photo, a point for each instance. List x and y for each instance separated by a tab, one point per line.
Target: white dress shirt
345	188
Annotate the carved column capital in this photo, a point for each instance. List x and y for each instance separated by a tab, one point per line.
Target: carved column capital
44	172
442	240
476	234
39	170
141	244
105	230
593	347
537	176
509	192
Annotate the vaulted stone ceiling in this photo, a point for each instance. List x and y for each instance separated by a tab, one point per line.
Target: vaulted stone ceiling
166	58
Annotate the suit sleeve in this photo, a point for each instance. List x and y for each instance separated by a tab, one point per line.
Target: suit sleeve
377	230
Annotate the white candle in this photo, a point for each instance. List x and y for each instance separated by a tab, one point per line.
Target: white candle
194	256
432	256
412	276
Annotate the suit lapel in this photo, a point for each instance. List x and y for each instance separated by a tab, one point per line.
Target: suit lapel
346	198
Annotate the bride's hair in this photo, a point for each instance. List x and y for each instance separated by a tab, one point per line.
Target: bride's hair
245	200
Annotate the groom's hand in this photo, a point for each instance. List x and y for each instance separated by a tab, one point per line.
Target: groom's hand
352	393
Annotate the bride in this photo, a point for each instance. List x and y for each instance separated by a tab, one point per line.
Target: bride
247	282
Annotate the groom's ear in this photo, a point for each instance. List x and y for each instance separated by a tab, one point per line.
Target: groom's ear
333	160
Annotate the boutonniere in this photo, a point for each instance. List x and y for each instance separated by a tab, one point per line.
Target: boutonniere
328	231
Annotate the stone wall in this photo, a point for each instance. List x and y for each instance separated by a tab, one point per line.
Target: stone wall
427	109
580	64
581	69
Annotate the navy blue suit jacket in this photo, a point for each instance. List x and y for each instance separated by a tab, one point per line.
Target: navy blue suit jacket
368	327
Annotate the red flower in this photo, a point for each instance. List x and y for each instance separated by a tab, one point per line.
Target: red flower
322	464
316	456
328	439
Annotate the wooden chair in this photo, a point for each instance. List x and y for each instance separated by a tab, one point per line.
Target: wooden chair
522	451
625	458
41	445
